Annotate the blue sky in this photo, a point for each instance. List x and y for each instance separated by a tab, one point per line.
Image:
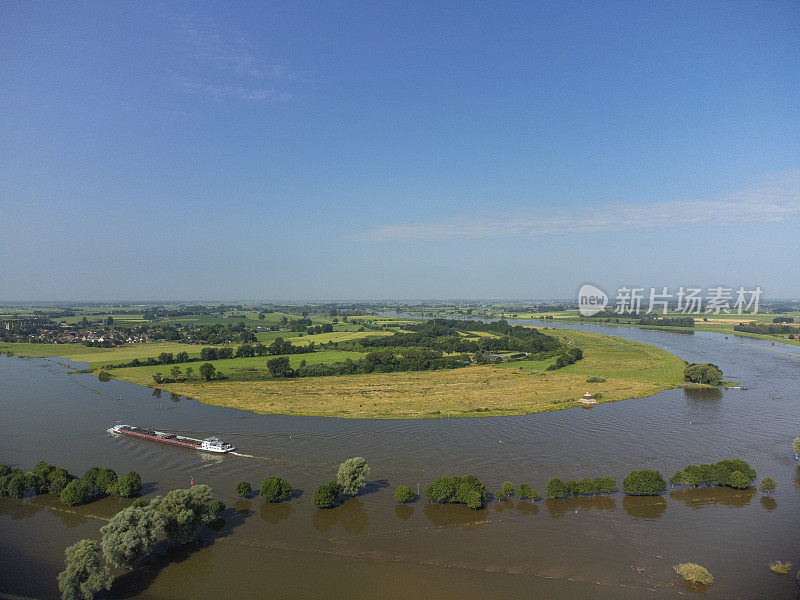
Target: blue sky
396	150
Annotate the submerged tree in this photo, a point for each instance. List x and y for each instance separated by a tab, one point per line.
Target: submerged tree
352	475
276	489
768	484
403	493
646	482
129	485
185	512
84	574
130	534
467	490
243	489
525	492
325	496
556	488
76	492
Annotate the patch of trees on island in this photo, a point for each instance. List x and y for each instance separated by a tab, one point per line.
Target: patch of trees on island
654	321
706	373
445	335
776	328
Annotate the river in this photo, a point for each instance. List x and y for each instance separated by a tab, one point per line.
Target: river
599	547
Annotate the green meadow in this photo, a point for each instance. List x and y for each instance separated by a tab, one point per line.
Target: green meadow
235	369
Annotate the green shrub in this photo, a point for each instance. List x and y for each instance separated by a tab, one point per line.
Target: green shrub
467	490
595	380
796	446
104	376
508	488
694	573
403	493
768	484
556	488
644	483
216	507
244	489
275	489
325	495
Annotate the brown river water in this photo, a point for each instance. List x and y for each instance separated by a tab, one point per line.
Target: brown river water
594	547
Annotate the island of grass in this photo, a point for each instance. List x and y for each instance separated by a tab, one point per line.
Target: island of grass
629	370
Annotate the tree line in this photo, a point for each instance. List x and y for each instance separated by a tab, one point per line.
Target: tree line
654	321
445	335
278	346
381	361
45	478
766	328
131	535
735	473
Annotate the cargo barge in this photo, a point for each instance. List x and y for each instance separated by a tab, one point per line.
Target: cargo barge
210	444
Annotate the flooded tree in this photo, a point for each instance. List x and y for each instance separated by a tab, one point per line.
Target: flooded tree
352	475
403	493
467	490
75	493
768	484
84	574
185	512
325	496
525	492
130	534
276	489
557	488
644	483
243	489
129	485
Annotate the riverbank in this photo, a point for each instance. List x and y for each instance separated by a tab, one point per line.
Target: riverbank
630	370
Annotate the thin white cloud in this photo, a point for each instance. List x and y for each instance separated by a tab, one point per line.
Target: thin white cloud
229	66
234	91
232	52
777	201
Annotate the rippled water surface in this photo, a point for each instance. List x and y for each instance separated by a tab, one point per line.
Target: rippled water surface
596	547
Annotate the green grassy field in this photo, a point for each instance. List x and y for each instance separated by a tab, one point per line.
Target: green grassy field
631	370
236	369
611	357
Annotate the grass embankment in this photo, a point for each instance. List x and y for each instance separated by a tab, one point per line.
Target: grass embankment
631	370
